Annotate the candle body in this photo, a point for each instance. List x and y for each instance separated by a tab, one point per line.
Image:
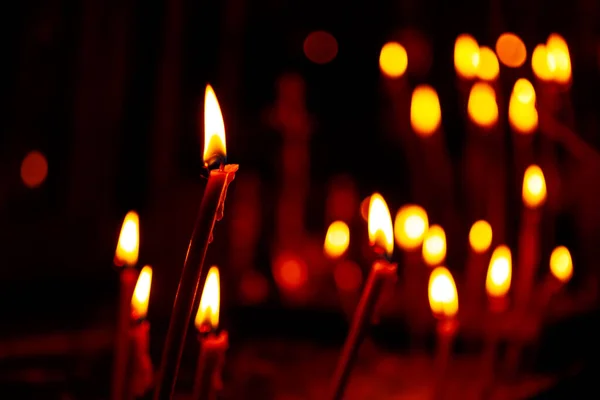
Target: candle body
475	282
381	272
140	374
211	210
446	331
128	278
210	364
528	260
416	276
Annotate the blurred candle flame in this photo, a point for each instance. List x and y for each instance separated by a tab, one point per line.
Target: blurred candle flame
482	106
489	68
425	111
129	241
443	297
381	232
499	275
393	60
511	50
539	63
434	246
214	128
561	264
480	236
410	226
141	293
466	56
337	239
522	113
534	187
207	317
558	58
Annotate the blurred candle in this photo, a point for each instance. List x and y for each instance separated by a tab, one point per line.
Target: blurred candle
434	246
561	271
558	58
522	113
443	301
534	197
480	240
489	68
425	111
539	63
393	60
213	344
466	56
126	256
511	50
337	240
482	106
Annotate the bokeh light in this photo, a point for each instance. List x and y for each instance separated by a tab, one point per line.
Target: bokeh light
393	60
511	50
320	47
34	169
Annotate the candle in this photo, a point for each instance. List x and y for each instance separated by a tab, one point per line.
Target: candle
480	240
434	246
561	271
443	301
213	344
140	374
126	257
382	240
211	210
489	68
534	196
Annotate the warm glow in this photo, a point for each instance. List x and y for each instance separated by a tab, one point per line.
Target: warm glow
290	271
347	275
434	246
480	236
337	239
559	59
425	112
207	318
129	241
534	187
443	298
522	113
141	294
539	63
511	50
488	64
393	60
34	169
214	128
381	232
499	272
466	56
320	47
561	264
364	208
482	106
410	226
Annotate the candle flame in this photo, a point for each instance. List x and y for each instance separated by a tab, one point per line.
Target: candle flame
425	111
522	113
207	318
434	246
558	58
214	129
480	236
534	187
511	50
393	60
141	293
466	56
489	68
410	226
443	297
539	63
482	106
337	239
561	264
381	232
499	275
129	241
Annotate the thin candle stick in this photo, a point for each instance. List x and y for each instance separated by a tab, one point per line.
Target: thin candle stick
210	363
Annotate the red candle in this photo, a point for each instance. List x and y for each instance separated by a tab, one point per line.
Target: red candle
213	344
211	210
126	257
381	237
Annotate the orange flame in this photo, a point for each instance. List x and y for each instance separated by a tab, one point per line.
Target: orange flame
499	275
129	241
482	106
207	318
489	68
511	50
381	232
534	187
393	60
443	297
561	264
410	226
425	111
434	246
337	239
214	128
480	236
466	56
141	294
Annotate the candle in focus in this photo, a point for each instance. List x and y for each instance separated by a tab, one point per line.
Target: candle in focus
381	238
534	196
213	344
434	246
126	256
140	374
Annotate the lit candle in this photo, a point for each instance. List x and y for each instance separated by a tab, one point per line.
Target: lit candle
213	344
534	196
466	57
140	372
561	271
480	240
126	257
211	210
443	300
381	238
434	246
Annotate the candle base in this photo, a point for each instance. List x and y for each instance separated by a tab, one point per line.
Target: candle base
208	381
